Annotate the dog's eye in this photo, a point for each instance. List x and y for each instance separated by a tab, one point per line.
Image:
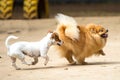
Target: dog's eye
101	30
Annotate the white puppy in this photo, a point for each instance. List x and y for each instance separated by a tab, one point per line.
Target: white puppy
32	49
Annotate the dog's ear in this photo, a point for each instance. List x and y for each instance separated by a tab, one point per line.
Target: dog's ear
54	35
92	29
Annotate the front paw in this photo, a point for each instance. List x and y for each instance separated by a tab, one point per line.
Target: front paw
18	68
45	64
84	63
33	63
81	63
73	63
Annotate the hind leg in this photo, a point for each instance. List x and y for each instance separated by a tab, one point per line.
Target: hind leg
22	58
14	64
81	60
46	59
101	52
35	61
24	62
68	56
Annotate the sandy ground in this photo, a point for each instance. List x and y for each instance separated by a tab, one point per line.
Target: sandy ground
99	67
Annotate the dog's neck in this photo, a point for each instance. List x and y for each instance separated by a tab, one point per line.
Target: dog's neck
47	41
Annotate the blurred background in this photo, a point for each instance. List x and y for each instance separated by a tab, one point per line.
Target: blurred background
37	9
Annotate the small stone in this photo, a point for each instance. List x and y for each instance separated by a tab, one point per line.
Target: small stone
9	74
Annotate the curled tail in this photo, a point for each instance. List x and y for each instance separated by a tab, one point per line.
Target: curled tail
8	38
68	25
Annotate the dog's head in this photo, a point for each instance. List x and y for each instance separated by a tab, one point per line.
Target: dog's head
98	30
55	38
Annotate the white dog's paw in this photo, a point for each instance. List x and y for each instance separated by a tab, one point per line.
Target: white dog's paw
30	63
45	64
27	63
18	68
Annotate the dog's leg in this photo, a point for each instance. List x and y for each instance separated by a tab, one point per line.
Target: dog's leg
22	58
46	59
101	52
81	60
70	59
14	64
35	61
24	62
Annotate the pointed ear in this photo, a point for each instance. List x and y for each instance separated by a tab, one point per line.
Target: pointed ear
92	30
53	36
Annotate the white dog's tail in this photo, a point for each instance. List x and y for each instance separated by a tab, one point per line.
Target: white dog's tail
8	38
70	24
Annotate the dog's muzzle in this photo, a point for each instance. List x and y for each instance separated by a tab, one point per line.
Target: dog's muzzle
105	35
60	43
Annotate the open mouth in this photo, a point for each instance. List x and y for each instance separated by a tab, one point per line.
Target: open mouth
104	35
60	43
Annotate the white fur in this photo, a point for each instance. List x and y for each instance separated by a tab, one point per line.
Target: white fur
10	37
34	49
70	23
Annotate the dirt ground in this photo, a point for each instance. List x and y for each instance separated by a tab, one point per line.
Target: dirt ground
99	67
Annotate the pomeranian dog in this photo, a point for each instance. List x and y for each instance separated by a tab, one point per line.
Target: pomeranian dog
80	42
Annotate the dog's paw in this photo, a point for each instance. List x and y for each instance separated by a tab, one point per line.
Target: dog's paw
45	64
29	63
33	63
84	63
103	54
73	63
18	68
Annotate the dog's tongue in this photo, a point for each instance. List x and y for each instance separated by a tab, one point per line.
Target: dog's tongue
104	35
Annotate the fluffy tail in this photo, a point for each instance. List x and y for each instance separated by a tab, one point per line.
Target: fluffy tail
70	26
8	38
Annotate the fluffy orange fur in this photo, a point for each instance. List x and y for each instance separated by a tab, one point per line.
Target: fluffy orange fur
91	40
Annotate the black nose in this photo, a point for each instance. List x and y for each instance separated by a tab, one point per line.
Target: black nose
107	30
